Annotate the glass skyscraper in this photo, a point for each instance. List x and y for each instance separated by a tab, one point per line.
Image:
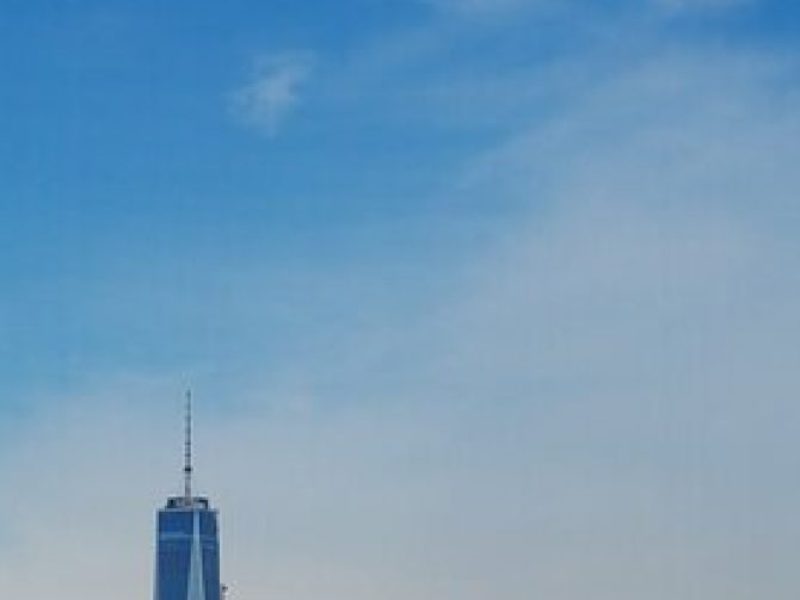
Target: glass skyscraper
187	543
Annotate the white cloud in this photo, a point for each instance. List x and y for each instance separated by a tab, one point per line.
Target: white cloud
273	93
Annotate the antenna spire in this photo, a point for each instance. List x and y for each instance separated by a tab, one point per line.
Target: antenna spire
187	454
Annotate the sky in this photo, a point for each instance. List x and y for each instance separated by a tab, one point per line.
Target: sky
479	299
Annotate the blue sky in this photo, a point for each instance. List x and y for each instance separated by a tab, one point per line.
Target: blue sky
479	298
125	146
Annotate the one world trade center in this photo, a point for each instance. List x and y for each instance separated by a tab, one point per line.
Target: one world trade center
187	542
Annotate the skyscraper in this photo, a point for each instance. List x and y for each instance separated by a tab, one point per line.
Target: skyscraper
187	542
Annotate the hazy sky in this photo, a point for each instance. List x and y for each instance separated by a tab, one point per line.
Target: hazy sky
480	299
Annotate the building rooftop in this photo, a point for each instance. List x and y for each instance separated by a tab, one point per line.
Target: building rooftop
184	503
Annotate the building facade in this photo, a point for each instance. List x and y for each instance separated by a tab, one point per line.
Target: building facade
187	551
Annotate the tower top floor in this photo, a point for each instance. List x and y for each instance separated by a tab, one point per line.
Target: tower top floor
184	503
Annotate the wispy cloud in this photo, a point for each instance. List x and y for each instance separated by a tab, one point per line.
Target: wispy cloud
273	92
486	6
677	6
509	7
